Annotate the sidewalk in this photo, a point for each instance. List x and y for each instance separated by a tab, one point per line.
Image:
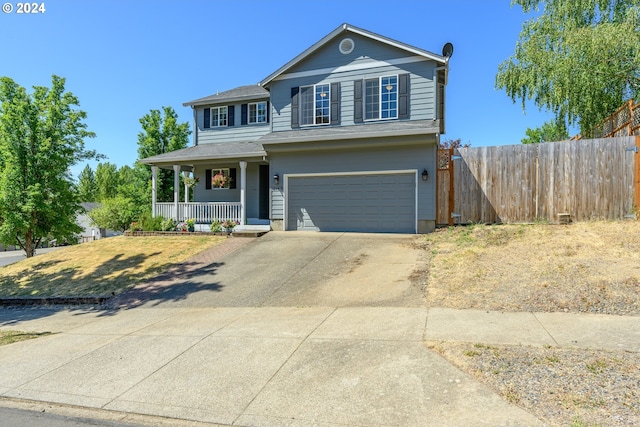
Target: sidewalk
282	366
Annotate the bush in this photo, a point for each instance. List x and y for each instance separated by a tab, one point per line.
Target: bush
116	213
147	222
216	226
168	225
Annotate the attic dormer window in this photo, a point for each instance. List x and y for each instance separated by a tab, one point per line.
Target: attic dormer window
346	46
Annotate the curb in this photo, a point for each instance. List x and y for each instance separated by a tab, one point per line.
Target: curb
41	301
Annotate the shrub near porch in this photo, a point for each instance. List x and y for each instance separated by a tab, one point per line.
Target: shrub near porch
101	267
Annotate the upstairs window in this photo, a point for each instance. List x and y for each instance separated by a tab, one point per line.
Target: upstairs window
257	112
314	105
381	98
216	117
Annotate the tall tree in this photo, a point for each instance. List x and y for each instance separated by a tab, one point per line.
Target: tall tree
548	132
161	133
134	185
41	136
579	59
106	181
87	185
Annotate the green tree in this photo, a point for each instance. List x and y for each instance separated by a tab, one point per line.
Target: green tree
134	184
106	181
87	188
161	133
115	213
578	59
549	131
41	136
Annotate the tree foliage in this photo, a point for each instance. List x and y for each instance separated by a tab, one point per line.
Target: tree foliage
106	181
87	189
161	133
41	136
453	143
579	59
548	132
116	213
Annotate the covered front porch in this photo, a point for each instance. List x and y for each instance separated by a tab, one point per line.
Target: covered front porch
242	195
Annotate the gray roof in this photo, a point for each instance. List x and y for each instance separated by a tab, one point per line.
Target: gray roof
242	93
362	131
353	29
212	151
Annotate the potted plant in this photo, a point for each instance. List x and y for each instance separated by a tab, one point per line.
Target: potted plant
191	224
229	224
190	181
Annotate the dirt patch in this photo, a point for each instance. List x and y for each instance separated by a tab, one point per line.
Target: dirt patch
584	267
566	387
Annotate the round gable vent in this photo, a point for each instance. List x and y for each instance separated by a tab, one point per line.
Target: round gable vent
346	46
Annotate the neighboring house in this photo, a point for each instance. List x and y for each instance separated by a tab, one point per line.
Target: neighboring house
341	138
90	231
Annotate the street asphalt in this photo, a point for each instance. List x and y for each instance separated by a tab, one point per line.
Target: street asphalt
302	350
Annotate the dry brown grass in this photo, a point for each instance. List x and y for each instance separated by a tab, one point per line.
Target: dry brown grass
563	387
582	267
104	267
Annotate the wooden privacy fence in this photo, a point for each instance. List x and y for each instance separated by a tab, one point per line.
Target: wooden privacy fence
625	121
588	179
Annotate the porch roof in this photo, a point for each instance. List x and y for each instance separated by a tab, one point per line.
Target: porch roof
212	151
357	132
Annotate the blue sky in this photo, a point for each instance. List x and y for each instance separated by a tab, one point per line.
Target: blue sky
124	58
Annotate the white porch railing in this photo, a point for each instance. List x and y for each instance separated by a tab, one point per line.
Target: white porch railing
203	212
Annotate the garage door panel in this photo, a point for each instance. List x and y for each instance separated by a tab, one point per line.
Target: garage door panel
367	202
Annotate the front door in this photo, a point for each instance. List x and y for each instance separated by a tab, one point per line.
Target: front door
263	192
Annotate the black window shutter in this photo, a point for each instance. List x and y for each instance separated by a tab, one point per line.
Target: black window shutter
335	103
231	115
295	118
268	111
232	175
207	179
207	118
243	114
357	102
403	96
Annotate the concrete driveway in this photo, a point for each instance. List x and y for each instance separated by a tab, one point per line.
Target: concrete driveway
295	269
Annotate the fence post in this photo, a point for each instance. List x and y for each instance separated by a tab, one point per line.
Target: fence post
451	187
636	177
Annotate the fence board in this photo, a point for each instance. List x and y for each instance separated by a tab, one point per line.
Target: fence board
589	179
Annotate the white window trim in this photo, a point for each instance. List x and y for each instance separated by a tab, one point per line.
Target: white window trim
364	103
249	122
314	105
211	125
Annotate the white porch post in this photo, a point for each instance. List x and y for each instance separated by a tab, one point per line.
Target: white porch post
176	189
186	191
154	189
243	192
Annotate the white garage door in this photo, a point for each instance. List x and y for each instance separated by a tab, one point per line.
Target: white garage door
375	202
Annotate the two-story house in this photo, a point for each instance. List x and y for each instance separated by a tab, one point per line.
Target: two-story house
343	137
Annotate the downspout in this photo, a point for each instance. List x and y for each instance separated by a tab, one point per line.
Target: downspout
195	126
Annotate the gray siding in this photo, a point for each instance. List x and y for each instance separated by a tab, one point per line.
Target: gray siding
378	159
365	51
422	95
201	194
229	133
